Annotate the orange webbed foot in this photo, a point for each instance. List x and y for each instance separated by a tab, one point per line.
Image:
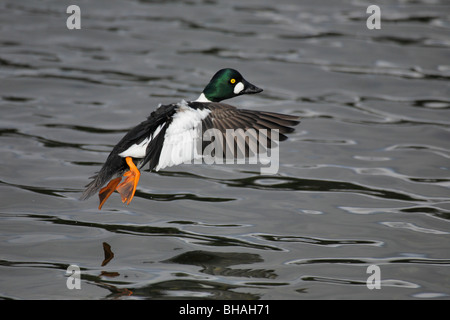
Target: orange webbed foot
128	187
107	191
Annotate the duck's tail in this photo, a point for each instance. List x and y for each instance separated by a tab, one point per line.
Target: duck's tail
93	187
113	167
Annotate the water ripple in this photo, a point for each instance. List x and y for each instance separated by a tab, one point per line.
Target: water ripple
383	283
286	183
430	210
412	227
372	261
296	57
146	230
48	143
218	263
316	185
318	241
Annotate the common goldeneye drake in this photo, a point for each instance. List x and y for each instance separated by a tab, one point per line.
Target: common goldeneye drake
170	134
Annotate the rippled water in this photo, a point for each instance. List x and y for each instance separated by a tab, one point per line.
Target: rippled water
363	181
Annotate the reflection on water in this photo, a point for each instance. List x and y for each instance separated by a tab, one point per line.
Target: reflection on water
217	263
363	181
109	255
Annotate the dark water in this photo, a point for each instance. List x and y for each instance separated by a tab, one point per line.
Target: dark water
363	181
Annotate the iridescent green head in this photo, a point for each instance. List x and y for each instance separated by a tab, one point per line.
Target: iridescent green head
226	84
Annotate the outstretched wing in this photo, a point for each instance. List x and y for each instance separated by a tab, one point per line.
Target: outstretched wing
245	132
196	124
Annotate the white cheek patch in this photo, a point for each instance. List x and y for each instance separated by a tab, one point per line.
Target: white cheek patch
238	88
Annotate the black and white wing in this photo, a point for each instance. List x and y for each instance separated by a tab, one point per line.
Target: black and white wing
245	132
242	133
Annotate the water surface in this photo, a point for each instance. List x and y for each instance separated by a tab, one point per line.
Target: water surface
363	181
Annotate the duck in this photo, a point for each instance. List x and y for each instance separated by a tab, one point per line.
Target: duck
168	136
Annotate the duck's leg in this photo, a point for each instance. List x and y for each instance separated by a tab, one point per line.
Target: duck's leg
128	187
107	191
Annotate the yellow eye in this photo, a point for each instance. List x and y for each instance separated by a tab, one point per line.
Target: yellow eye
233	80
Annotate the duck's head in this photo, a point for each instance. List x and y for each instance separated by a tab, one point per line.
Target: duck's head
226	84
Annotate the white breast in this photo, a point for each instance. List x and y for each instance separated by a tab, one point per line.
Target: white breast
182	135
